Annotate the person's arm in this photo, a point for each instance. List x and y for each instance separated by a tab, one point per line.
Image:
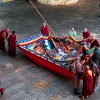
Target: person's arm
69	33
75	34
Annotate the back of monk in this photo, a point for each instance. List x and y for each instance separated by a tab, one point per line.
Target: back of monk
93	43
87	83
12	45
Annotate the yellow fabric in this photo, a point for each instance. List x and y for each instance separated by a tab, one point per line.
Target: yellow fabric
31	41
57	57
90	72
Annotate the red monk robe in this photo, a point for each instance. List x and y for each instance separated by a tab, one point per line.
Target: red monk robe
45	30
87	82
12	44
5	31
94	42
86	36
95	70
2	42
76	78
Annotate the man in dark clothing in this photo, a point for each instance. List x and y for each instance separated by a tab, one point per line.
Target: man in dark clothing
96	55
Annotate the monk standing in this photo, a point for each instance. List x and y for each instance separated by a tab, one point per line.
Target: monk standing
96	55
87	89
95	70
12	44
45	30
86	35
93	42
2	42
6	32
76	76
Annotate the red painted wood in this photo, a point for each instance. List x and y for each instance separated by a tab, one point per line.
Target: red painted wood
47	64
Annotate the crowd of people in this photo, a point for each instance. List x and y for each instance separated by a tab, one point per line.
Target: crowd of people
86	69
11	39
83	69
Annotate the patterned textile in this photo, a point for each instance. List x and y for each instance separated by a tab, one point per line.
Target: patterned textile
45	48
28	39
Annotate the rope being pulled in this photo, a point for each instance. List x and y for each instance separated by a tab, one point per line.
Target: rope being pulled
47	24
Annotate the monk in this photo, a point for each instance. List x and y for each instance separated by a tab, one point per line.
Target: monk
96	55
45	30
93	42
95	70
12	44
76	76
2	42
87	89
86	35
5	31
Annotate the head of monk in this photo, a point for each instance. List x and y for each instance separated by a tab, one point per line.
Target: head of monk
73	29
7	30
44	24
13	32
4	34
85	29
87	67
93	37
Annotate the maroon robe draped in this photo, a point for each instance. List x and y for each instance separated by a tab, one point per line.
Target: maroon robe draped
2	31
45	30
76	78
87	83
86	35
12	45
93	43
2	42
95	69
